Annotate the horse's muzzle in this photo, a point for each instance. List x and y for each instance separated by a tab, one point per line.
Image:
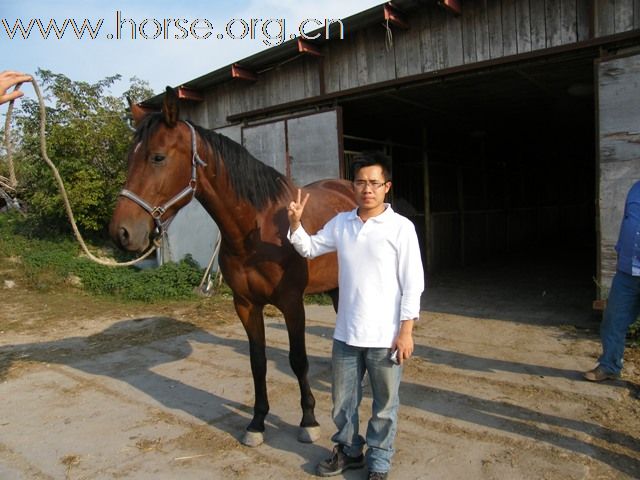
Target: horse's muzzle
133	237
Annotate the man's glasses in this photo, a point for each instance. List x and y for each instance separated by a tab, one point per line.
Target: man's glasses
361	184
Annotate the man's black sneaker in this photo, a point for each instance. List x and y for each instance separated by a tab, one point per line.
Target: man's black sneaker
338	463
377	476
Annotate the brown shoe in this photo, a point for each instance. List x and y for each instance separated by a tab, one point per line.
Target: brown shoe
598	374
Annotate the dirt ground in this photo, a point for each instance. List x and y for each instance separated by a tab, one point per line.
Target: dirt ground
93	389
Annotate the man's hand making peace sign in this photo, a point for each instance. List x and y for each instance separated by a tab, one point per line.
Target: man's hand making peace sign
294	211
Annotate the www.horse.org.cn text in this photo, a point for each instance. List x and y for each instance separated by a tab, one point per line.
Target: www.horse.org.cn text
271	31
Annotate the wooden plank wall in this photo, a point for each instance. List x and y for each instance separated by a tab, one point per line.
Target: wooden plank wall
436	40
297	79
486	30
619	158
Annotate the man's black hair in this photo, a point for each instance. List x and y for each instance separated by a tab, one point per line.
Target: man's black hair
367	159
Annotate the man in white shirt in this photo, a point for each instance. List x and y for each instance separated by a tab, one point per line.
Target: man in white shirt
380	280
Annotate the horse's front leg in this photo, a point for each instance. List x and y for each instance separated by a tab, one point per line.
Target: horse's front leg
253	322
294	316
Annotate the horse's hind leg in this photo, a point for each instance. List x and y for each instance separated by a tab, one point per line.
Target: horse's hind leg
253	322
295	319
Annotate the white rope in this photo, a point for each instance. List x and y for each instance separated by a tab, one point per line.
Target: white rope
13	182
388	38
63	192
207	272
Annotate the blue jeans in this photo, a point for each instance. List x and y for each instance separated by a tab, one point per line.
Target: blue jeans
349	365
623	307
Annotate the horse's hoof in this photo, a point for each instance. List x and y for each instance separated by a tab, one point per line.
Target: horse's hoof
252	439
309	434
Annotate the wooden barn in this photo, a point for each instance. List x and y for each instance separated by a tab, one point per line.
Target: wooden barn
513	125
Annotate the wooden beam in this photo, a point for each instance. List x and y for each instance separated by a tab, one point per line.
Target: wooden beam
185	93
395	16
242	73
454	6
308	48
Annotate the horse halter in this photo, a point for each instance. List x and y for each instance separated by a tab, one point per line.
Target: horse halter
157	211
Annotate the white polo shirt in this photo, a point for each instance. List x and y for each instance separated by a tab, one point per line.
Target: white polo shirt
380	273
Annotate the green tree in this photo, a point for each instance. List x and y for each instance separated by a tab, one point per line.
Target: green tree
138	90
87	136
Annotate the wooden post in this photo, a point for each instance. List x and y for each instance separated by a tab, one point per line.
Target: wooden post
617	156
428	233
461	212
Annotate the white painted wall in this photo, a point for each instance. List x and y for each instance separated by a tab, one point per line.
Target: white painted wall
192	231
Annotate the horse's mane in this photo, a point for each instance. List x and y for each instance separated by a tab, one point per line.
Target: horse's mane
251	179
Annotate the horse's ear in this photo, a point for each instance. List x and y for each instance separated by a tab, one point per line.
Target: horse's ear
137	112
170	109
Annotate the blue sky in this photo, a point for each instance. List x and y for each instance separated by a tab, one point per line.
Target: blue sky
162	61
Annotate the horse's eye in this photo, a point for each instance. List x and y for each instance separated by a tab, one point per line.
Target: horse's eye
157	157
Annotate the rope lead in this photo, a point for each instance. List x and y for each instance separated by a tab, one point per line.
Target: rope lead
63	193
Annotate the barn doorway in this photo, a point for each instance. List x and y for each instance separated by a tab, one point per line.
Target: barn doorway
497	170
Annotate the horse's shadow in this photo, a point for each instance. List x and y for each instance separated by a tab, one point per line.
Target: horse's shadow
463	361
541	427
132	351
509	417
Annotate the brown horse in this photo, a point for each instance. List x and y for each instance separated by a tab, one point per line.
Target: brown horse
172	161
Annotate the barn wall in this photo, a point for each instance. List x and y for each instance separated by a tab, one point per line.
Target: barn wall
619	152
296	80
436	40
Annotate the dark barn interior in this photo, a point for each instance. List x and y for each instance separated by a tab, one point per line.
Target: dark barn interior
509	187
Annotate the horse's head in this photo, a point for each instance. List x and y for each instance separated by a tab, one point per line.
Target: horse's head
160	177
